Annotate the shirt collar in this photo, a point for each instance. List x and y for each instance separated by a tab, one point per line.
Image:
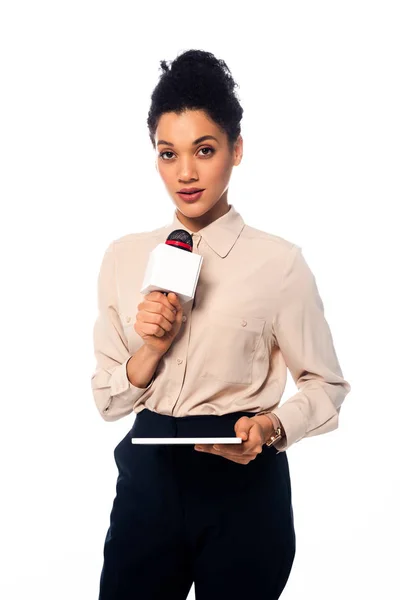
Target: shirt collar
220	235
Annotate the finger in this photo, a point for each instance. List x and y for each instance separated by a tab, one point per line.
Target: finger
227	452
151	329
243	459
237	458
252	436
159	308
155	318
173	298
236	450
227	449
245	449
160	298
205	448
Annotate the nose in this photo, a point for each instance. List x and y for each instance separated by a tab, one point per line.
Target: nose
187	172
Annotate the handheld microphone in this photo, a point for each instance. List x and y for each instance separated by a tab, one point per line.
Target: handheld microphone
170	271
180	238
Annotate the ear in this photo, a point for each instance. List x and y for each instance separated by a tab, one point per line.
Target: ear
238	150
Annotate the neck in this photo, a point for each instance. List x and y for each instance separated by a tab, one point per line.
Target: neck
197	223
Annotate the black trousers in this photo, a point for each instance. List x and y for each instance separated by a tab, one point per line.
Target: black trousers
182	516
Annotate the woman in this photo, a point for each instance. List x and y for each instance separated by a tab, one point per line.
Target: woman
218	517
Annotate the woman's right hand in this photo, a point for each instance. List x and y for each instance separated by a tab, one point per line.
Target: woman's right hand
159	320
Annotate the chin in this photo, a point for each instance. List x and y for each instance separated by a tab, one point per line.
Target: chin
194	210
192	207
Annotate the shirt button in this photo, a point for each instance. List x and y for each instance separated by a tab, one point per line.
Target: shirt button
179	360
128	319
184	318
244	323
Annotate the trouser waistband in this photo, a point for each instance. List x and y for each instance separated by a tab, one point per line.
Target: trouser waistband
149	423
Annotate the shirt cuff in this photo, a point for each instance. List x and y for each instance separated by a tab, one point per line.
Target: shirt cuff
122	393
293	423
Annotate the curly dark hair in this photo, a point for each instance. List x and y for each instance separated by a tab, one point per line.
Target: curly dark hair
197	80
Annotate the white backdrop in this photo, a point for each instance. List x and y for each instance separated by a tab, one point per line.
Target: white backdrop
319	84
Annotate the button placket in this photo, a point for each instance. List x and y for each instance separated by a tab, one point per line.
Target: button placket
196	241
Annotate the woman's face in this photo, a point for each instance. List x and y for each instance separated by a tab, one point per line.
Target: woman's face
206	164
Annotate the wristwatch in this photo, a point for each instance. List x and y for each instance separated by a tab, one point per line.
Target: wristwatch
277	433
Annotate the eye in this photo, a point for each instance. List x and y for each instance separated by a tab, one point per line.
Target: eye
161	155
212	151
208	148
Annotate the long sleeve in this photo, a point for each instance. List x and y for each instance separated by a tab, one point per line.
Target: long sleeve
305	341
113	393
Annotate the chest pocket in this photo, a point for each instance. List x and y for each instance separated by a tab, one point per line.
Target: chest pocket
231	342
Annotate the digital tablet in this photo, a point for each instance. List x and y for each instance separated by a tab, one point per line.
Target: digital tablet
187	440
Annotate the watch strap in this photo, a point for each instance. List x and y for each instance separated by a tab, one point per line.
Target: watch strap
277	433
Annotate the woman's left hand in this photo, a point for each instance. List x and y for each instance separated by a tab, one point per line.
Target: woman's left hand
253	432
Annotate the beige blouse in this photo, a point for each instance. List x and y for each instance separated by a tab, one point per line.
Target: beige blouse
256	313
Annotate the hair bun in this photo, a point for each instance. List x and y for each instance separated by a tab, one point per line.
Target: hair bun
197	80
164	66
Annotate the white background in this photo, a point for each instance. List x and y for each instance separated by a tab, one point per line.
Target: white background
319	84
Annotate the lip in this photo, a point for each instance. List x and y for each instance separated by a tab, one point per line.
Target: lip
190	190
190	197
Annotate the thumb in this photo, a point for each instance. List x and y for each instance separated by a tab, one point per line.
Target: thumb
173	298
242	427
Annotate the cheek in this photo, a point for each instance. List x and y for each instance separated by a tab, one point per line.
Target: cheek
165	174
220	171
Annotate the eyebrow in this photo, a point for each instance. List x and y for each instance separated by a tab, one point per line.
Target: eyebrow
200	139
